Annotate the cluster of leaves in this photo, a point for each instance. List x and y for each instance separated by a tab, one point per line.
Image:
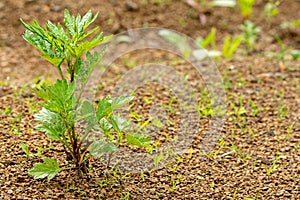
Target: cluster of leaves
229	47
246	7
63	108
250	34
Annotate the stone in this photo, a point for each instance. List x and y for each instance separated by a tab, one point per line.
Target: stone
131	6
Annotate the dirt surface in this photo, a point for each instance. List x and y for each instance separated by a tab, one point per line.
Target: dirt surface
262	120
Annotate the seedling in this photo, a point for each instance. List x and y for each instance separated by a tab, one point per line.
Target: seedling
221	145
8	110
125	196
289	131
63	107
291	25
39	151
174	183
283	110
210	39
254	108
25	149
230	46
246	7
274	166
249	34
271	9
295	54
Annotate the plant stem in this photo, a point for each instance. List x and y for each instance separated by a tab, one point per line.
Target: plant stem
73	69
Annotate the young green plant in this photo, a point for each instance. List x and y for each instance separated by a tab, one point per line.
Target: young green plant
250	34
246	7
64	109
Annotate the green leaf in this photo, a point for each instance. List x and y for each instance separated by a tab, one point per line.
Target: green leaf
25	149
52	124
50	43
102	147
119	124
88	112
230	46
137	140
59	97
47	169
104	108
84	22
53	60
85	69
210	39
89	44
105	125
120	101
69	22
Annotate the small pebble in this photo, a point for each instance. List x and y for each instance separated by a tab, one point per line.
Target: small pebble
264	188
56	8
131	6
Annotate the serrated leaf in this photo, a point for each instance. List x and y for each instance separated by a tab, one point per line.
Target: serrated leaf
104	108
88	112
89	44
52	124
84	22
60	96
53	60
49	168
85	69
120	101
137	140
69	22
105	125
102	147
119	124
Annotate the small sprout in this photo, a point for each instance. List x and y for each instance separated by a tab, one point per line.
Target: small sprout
230	46
246	7
25	149
250	34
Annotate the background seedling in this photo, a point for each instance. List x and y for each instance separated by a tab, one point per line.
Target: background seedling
125	196
291	25
174	182
25	149
210	39
250	34
246	7
271	9
289	131
274	166
230	46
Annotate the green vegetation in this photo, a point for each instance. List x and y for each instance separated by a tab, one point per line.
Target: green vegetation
63	107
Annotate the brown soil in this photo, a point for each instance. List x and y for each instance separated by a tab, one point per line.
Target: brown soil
251	142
